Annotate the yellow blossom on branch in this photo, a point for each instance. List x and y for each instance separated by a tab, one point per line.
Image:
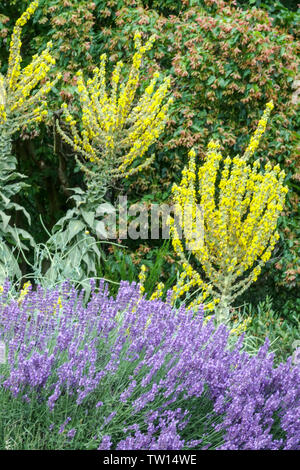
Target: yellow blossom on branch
23	91
26	288
240	205
255	139
115	131
142	279
22	101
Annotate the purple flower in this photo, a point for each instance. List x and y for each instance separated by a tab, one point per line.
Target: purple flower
105	443
71	433
145	359
62	428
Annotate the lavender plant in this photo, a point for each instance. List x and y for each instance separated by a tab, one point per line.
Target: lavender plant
128	373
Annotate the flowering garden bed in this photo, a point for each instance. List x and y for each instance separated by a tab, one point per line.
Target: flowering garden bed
128	373
120	345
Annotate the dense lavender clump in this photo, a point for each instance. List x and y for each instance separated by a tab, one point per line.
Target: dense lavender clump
153	359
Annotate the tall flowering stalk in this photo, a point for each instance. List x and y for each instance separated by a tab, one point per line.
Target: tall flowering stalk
113	135
22	101
116	133
240	205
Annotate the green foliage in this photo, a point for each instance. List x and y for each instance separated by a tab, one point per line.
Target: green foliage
71	252
155	270
266	322
116	266
11	237
121	264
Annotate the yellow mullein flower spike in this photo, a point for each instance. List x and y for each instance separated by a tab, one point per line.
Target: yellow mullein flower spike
116	133
255	139
240	205
20	101
142	279
24	292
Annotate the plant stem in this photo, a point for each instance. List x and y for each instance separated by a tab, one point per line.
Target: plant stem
222	310
6	148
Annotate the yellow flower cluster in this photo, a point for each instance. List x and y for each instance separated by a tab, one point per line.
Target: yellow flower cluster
240	206
241	327
18	104
115	134
24	292
157	294
3	115
255	139
58	304
142	279
187	214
